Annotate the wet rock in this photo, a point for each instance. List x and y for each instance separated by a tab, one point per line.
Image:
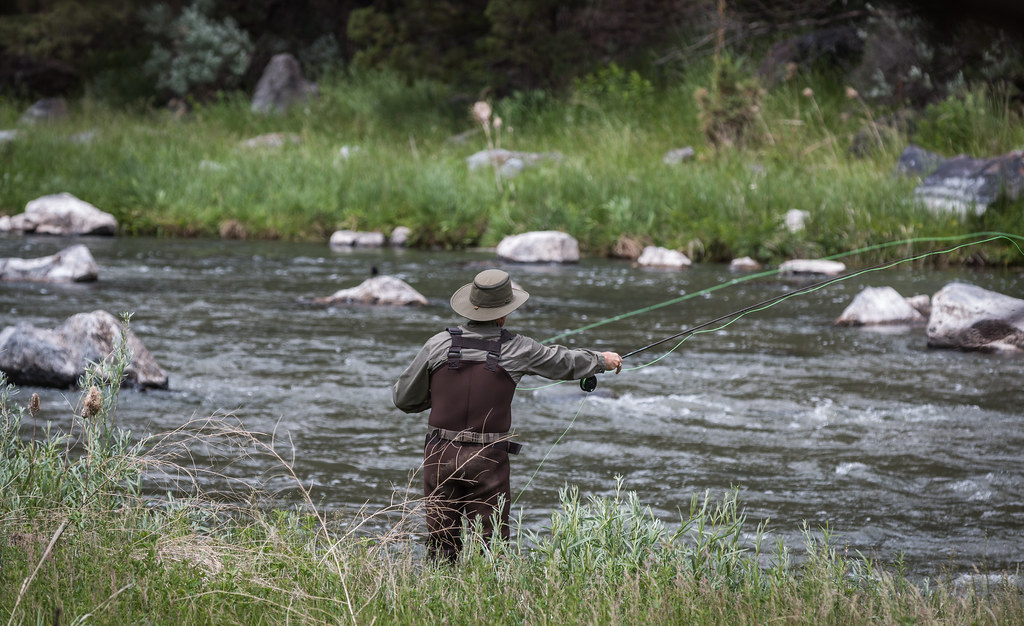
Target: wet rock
963	183
62	214
281	86
820	267
357	239
71	265
380	290
879	305
922	303
968	317
654	256
57	358
509	163
744	264
545	246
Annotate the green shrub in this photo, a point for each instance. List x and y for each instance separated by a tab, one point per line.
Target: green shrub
728	109
193	53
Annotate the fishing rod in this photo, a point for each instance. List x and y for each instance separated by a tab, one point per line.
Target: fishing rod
992	235
589	383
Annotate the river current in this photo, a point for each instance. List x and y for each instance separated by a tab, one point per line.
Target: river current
905	452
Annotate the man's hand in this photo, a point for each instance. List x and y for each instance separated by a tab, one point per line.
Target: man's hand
612	360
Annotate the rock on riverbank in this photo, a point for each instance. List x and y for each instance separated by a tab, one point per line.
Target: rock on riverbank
61	214
74	264
57	358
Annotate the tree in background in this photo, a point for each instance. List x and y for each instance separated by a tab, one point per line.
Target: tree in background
512	44
53	48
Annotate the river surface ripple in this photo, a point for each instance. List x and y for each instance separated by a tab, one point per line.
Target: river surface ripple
900	449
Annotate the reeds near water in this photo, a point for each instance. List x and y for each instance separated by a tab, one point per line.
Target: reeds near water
375	152
98	525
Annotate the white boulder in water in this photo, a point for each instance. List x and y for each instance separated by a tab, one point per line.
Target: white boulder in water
968	317
545	246
744	264
654	256
879	305
819	267
74	264
357	239
382	290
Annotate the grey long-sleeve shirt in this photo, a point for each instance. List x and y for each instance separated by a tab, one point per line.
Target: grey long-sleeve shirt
519	356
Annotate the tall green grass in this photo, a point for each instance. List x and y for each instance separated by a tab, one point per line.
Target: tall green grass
84	539
169	175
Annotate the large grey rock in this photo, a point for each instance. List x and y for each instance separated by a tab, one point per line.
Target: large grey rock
963	183
545	246
281	86
57	358
968	317
62	214
654	256
820	267
382	290
357	239
879	305
71	265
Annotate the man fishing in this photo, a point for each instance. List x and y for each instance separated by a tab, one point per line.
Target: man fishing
467	376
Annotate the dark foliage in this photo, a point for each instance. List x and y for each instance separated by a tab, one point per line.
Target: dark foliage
496	46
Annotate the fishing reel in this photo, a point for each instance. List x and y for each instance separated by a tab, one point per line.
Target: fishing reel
588	384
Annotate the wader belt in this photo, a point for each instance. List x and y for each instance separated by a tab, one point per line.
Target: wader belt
494	440
493	348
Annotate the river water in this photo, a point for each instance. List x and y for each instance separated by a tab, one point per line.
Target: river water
902	450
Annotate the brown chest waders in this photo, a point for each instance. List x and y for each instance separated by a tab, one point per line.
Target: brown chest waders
465	458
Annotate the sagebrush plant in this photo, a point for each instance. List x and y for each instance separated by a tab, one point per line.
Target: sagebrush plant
977	121
194	53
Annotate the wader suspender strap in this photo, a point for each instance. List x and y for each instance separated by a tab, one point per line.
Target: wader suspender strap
493	348
459	342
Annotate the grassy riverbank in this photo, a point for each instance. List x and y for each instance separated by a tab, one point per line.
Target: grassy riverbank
80	541
809	145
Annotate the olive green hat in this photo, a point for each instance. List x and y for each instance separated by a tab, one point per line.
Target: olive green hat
489	297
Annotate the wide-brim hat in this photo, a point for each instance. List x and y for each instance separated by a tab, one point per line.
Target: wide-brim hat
489	297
